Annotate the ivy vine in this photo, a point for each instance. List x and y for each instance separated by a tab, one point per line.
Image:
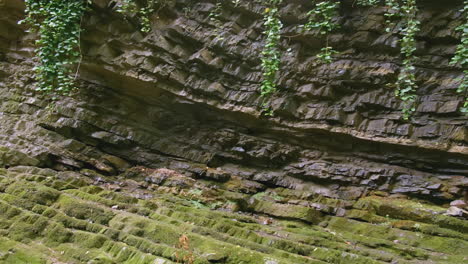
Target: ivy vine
367	3
59	26
321	18
326	54
406	82
215	17
393	14
461	56
58	46
130	7
271	52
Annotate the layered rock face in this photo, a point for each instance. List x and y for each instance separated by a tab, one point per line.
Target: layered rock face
186	97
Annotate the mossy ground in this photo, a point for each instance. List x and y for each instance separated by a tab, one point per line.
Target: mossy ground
64	217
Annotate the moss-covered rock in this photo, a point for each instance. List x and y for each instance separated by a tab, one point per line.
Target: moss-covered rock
93	223
84	210
33	192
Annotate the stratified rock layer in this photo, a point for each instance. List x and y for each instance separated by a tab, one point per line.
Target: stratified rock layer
328	177
179	93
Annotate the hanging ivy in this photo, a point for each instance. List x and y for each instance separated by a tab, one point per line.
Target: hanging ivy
461	57
326	54
130	7
321	18
215	18
393	14
367	3
406	83
58	25
271	52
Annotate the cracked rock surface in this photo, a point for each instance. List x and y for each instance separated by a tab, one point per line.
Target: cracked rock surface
165	137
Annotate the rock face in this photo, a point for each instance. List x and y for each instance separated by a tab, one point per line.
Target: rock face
180	95
185	99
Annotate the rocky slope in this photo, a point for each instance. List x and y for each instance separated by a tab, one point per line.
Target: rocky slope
141	217
334	168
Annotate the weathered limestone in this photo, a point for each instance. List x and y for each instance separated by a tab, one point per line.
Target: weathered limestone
146	99
332	177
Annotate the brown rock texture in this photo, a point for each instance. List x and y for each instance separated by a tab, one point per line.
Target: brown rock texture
181	98
165	142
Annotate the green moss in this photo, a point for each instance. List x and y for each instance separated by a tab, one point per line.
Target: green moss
92	189
287	211
400	208
366	216
94	198
444	244
57	234
102	259
89	240
77	253
450	222
83	210
73	223
80	223
33	192
270	195
12	252
6	210
27	227
118	197
148	204
157	232
22	203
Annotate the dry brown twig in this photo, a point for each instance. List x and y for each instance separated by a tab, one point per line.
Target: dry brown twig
187	257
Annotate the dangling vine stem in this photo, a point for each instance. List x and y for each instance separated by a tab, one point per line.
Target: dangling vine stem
406	82
271	53
321	18
461	57
79	50
215	17
58	46
143	13
366	3
59	26
393	13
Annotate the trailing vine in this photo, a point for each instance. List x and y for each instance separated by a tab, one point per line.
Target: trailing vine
236	3
321	18
271	52
406	83
58	25
393	14
326	53
461	57
367	3
143	13
215	17
127	7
